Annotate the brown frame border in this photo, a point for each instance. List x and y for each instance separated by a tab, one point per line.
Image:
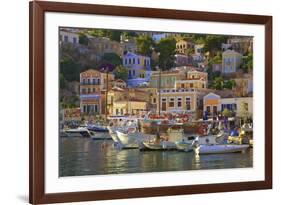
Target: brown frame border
37	9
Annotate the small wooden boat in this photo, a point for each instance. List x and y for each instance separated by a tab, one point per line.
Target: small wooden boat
219	149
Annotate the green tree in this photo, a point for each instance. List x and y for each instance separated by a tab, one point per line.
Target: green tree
83	39
144	45
166	47
213	43
120	73
217	83
226	112
69	69
111	58
62	81
115	35
229	84
247	63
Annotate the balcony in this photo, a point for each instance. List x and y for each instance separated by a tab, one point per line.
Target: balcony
86	83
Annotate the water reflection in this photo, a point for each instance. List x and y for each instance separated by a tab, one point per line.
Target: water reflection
82	156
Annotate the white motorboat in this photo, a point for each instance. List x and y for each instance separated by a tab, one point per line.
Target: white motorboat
131	139
78	132
219	149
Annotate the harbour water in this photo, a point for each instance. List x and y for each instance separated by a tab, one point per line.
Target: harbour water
84	156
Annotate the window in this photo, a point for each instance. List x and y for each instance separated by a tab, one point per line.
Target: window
134	61
134	72
215	109
172	102
154	100
98	81
89	90
83	91
191	85
182	85
117	111
75	40
130	73
130	61
65	39
89	81
94	90
94	81
179	102
187	104
84	81
126	61
138	61
208	109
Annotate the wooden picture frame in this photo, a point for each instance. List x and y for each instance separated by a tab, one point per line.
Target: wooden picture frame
37	10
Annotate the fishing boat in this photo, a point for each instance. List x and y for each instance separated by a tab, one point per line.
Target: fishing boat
219	149
78	132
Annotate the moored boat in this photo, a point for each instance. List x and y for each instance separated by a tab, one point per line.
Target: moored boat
219	149
163	145
78	132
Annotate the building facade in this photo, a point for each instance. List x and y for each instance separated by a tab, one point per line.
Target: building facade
68	37
182	46
241	106
231	61
92	86
168	78
102	45
179	100
138	66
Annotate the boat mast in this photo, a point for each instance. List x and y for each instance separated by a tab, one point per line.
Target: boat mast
106	91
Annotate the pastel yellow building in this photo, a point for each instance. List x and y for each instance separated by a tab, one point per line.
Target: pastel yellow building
182	46
178	100
132	107
126	101
194	79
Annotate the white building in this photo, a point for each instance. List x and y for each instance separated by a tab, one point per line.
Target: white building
69	37
231	60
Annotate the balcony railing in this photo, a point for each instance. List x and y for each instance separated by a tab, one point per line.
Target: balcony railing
86	83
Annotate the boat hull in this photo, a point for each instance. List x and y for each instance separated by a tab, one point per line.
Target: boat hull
220	149
160	146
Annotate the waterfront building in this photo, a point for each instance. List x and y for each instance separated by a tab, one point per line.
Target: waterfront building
123	100
180	101
102	45
231	60
70	114
131	107
183	46
66	36
211	104
92	86
241	106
